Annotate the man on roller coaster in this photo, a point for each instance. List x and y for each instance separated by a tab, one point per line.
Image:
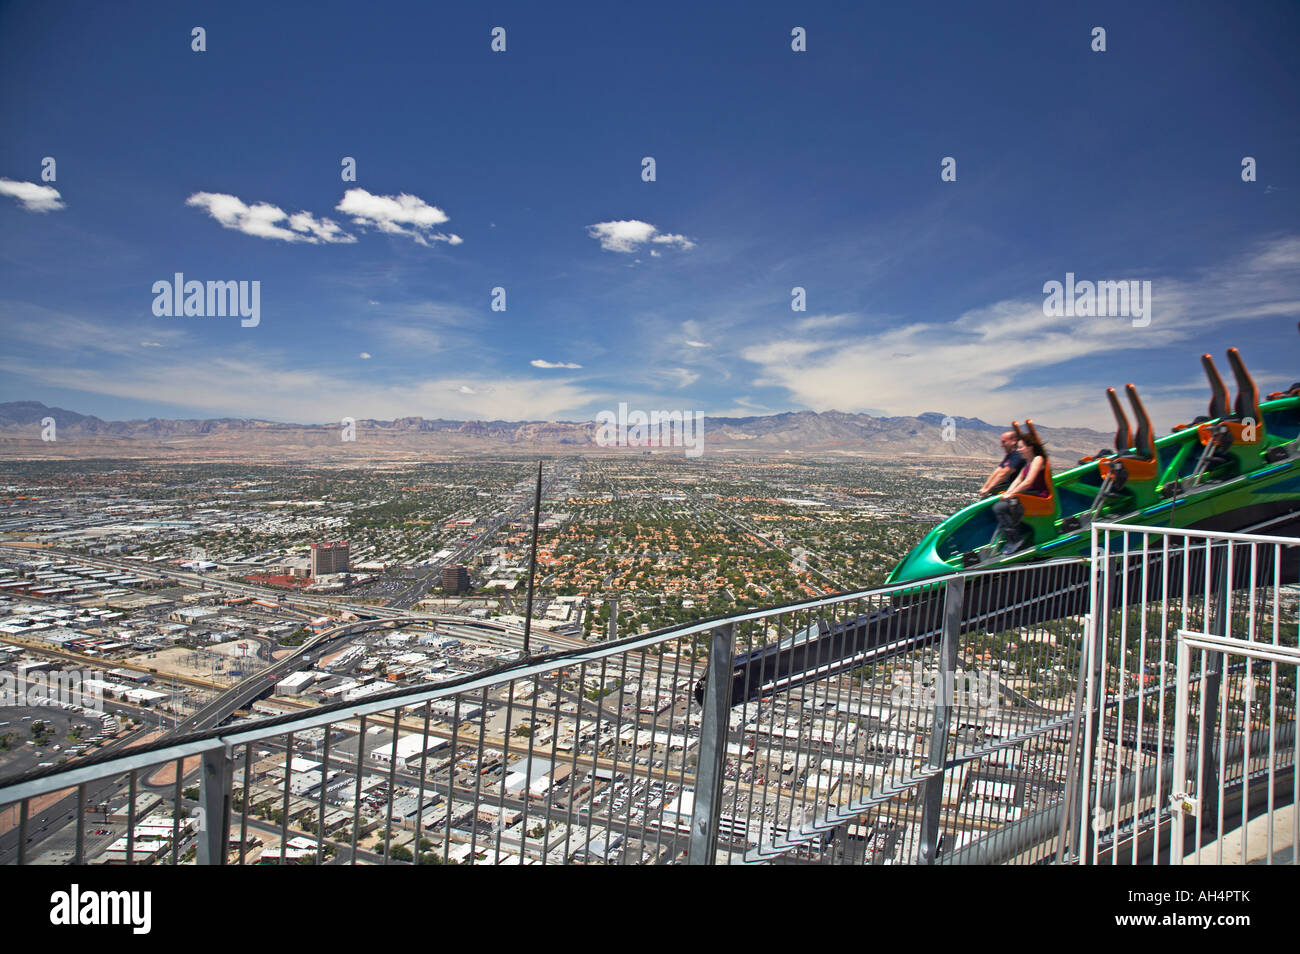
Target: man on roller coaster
1007	471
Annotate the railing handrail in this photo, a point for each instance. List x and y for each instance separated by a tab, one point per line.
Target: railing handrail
101	765
1202	534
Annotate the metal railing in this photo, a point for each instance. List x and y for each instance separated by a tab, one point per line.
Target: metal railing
966	719
1159	594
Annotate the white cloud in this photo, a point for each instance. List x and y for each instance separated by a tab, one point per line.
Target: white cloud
365	355
994	359
150	344
628	235
822	321
682	377
402	214
539	363
681	241
32	197
263	220
696	344
250	382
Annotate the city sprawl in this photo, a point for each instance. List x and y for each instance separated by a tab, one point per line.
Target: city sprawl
142	599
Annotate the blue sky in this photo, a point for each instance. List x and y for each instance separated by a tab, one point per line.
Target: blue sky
774	169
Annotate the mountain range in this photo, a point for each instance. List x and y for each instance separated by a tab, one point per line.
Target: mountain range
930	434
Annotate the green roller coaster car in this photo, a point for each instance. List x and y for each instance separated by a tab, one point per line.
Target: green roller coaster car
1236	468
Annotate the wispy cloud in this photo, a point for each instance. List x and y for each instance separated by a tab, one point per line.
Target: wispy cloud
252	382
32	196
263	220
628	235
402	214
997	359
813	322
539	363
681	377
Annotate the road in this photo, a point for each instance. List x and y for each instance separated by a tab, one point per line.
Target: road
466	553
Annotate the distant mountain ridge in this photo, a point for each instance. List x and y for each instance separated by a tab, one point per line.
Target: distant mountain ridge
827	432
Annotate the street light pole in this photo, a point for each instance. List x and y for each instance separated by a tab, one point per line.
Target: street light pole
532	560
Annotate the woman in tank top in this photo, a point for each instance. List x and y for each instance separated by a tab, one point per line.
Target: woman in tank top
1032	479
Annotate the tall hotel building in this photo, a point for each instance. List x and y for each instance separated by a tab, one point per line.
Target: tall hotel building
329	558
455	578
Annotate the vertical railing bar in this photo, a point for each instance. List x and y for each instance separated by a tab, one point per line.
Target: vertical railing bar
1201	770
1163	688
24	808
841	617
748	647
618	752
941	717
214	810
857	792
478	778
826	756
618	746
1095	701
856	789
528	772
744	642
573	767
324	788
681	762
668	749
595	757
799	756
1098	675
713	741
248	784
176	810
392	785
636	738
1272	698
505	769
767	740
284	808
356	800
79	856
451	778
1121	679
1225	676
1138	747
598	720
817	743
772	743
555	768
424	768
1248	690
1178	783
130	819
